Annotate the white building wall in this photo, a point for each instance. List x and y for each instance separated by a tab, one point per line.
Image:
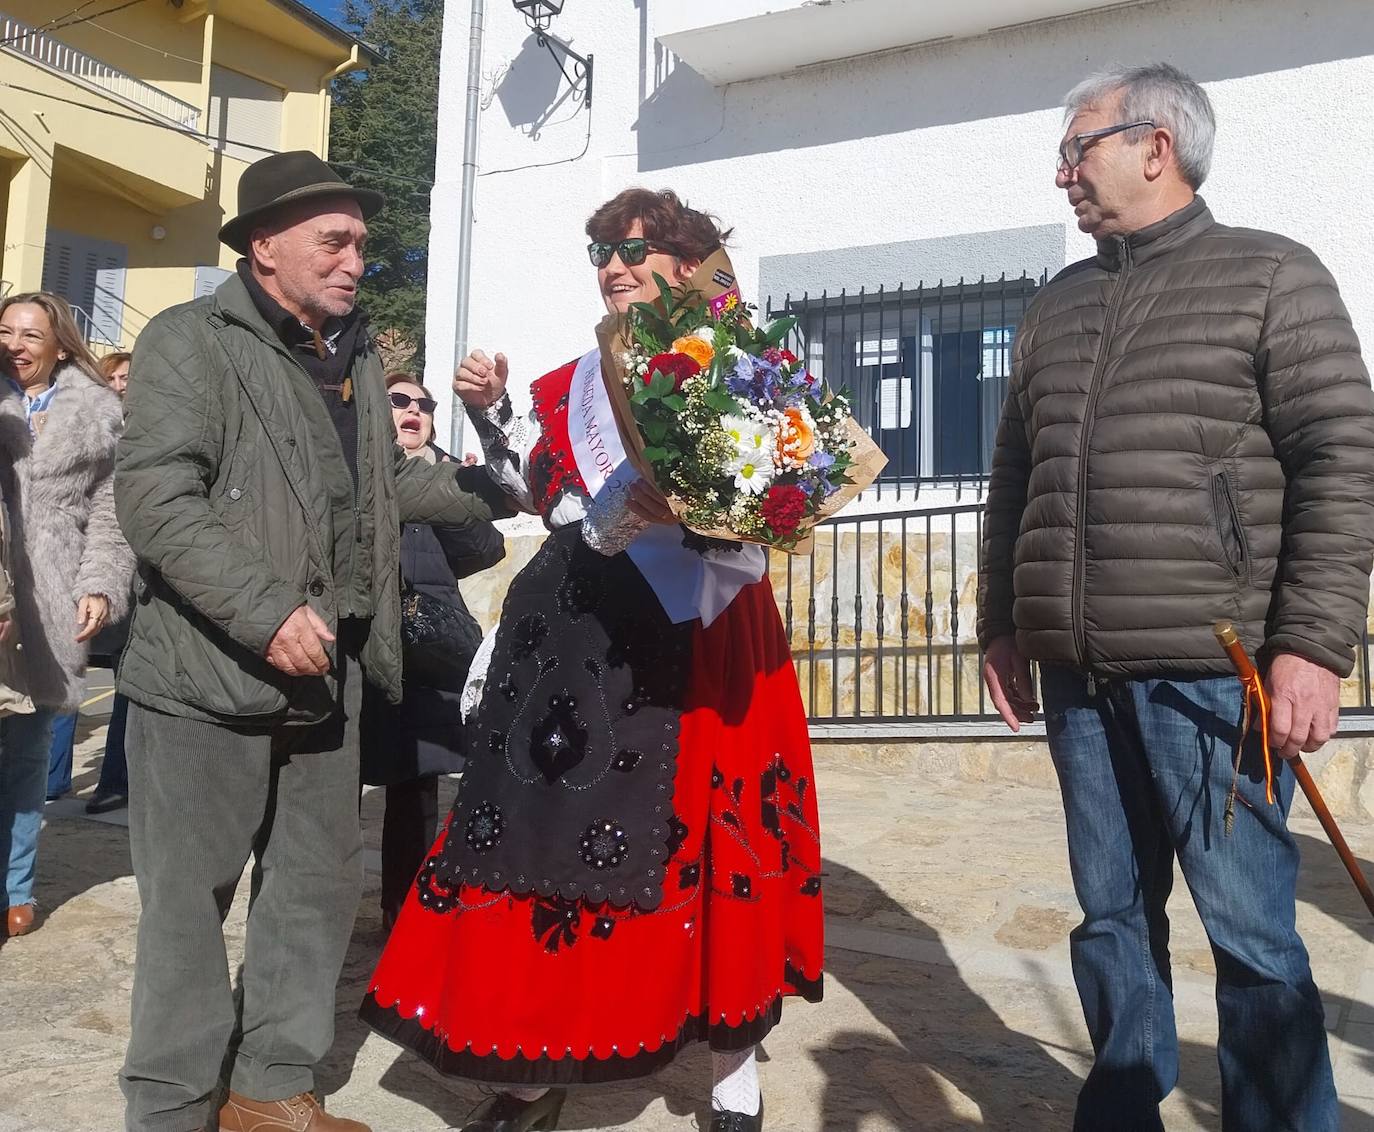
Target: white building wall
945	140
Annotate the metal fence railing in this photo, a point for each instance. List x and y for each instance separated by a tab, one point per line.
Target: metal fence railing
881	615
19	38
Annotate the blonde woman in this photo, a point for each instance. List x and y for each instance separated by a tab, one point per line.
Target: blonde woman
59	423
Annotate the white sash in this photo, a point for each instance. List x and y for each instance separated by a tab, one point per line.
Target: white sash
687	584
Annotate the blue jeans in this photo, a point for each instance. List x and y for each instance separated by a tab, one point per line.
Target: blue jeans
61	755
1145	767
24	744
114	767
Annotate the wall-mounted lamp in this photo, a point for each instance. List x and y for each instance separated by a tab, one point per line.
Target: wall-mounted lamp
158	232
539	14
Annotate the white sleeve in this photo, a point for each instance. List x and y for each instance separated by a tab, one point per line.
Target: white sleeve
507	440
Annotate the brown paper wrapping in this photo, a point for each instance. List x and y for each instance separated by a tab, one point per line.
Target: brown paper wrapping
715	277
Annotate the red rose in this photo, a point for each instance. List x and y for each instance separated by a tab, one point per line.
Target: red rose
789	357
783	508
679	367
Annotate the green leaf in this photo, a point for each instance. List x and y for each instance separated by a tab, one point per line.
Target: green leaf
655	432
719	401
660	384
655	455
665	292
641	396
779	330
676	402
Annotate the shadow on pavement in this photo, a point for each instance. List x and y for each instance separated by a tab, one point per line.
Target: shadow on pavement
943	1034
1324	884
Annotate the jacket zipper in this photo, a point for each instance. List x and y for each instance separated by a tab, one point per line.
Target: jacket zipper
1225	510
357	489
1080	634
357	511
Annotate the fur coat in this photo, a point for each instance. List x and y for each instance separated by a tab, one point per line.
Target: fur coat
64	539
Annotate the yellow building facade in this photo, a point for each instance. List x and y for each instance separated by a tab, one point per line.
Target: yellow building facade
122	140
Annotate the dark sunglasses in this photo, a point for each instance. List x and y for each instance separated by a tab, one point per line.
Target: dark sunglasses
633	251
426	405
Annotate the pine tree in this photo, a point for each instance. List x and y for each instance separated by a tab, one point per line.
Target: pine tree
384	121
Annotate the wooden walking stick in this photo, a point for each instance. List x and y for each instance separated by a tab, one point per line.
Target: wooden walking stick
1255	694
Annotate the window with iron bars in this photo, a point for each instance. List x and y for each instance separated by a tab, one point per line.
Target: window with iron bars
927	369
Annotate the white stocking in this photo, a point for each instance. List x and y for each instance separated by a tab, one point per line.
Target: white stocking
526	1094
736	1082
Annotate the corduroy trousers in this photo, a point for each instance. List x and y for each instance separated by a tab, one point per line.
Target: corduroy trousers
203	799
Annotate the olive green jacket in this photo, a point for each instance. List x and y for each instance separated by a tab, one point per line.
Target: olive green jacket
222	489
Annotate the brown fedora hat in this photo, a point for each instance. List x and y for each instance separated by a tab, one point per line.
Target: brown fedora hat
285	178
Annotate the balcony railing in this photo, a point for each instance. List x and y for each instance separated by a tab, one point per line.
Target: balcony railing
19	38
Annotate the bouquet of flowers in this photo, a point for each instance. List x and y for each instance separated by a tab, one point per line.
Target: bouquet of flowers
730	426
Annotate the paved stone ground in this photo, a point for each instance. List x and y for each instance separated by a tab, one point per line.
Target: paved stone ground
949	1003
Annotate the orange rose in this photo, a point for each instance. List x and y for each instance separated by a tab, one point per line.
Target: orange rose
698	349
796	437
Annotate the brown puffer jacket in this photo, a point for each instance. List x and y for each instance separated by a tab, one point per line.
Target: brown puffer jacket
1188	436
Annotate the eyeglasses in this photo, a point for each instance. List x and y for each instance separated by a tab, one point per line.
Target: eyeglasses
1071	152
632	252
426	405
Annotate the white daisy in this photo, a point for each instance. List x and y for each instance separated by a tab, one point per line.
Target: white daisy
753	473
748	436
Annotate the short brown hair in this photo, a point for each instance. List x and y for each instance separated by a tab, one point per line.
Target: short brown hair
399	376
664	217
111	362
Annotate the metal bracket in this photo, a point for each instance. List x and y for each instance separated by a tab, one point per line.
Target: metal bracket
582	69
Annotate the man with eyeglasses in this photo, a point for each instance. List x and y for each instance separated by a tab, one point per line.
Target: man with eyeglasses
259	482
1188	437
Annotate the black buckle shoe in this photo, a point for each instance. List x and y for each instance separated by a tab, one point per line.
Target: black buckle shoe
737	1121
505	1113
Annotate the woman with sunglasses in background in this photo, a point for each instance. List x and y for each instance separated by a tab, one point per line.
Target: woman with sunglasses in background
407	746
633	861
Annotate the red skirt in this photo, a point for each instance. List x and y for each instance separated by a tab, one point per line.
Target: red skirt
516	989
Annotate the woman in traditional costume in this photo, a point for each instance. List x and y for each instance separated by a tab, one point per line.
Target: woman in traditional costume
633	860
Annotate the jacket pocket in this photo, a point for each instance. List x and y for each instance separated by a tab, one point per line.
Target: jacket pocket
1230	529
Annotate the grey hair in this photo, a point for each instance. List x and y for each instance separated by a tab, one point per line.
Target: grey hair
1162	94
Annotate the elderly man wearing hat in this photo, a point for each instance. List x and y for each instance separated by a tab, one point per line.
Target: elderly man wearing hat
259	484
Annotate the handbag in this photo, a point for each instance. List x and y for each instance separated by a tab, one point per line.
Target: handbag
438	641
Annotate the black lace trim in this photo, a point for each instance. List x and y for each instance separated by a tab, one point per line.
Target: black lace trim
567	1070
704	545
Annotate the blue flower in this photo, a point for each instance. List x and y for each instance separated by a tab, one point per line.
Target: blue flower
740	381
759	380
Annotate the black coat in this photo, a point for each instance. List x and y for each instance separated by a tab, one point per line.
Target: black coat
423	735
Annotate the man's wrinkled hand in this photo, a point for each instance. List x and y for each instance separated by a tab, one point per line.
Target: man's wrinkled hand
297	648
1304	704
1008	677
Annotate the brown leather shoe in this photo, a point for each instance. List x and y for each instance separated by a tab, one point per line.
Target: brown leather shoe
20	920
301	1113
